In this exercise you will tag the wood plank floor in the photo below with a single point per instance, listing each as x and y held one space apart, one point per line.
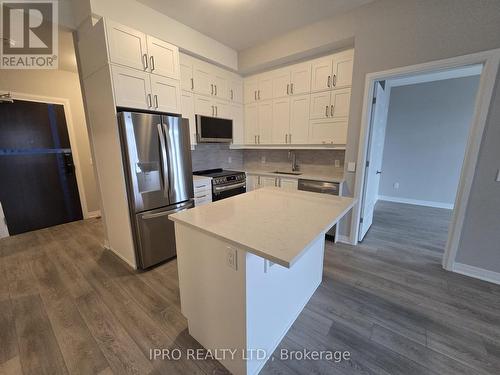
68 306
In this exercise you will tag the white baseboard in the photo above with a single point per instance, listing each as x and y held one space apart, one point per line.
93 214
416 202
106 246
476 272
344 239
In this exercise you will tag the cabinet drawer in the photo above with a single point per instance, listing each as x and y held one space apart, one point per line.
202 184
204 199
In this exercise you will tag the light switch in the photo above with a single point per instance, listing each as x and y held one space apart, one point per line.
232 258
351 166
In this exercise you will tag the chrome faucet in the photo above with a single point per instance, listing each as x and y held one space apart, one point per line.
293 156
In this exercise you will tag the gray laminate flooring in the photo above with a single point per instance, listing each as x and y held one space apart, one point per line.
69 307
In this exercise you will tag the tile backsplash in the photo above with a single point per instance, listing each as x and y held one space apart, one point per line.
310 161
208 156
213 155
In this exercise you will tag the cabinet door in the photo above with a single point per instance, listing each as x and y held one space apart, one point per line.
281 120
300 79
281 83
340 101
289 184
187 108
320 105
203 106
268 181
166 94
202 75
265 90
132 88
330 131
222 109
251 123
342 69
220 82
163 58
237 117
186 66
252 182
236 91
321 74
299 119
127 46
250 88
265 123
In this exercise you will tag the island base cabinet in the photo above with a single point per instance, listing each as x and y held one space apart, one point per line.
236 300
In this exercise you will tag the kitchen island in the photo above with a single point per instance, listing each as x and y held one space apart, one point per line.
247 267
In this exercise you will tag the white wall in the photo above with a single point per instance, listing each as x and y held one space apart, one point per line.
425 140
65 85
149 21
394 33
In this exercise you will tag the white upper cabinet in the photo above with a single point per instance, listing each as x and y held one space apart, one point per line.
127 46
186 68
340 102
236 110
166 94
202 75
163 58
299 119
132 88
329 131
332 72
220 83
321 74
330 104
281 121
251 123
250 90
320 105
235 89
265 135
281 83
259 88
300 78
203 105
342 69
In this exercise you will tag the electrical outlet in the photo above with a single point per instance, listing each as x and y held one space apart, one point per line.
396 185
337 163
232 258
229 159
351 166
263 159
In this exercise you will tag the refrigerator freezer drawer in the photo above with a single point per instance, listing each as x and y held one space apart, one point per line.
156 236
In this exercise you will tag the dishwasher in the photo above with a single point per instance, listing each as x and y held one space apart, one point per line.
332 188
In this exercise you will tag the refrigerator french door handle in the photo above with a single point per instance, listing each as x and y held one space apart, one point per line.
164 162
168 150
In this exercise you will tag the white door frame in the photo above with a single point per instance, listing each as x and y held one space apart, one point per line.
72 141
490 61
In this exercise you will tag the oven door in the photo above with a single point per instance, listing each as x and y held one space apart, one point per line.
229 190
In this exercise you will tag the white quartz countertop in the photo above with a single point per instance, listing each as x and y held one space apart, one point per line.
271 223
305 176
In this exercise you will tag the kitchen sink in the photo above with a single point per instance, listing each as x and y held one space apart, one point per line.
292 173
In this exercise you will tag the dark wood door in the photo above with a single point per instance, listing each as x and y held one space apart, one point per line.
38 185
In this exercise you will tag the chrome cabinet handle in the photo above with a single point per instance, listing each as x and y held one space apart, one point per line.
329 80
286 138
156 101
211 89
216 114
255 94
152 59
290 138
192 84
215 90
334 80
232 96
288 89
255 139
291 88
258 139
331 110
150 104
145 61
258 94
213 111
326 111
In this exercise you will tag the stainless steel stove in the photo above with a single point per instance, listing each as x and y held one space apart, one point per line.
225 183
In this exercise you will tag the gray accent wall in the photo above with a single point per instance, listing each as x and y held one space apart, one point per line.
426 137
392 33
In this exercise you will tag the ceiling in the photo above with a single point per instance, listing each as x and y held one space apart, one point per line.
240 24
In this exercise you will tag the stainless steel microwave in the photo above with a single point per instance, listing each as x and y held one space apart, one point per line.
213 129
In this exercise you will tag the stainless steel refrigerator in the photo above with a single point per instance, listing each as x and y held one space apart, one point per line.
157 162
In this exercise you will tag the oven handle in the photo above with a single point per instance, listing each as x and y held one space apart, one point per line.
218 189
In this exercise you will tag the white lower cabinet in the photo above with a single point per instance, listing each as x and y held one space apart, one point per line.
288 184
257 181
202 190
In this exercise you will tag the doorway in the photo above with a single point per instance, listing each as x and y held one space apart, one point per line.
488 62
38 179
